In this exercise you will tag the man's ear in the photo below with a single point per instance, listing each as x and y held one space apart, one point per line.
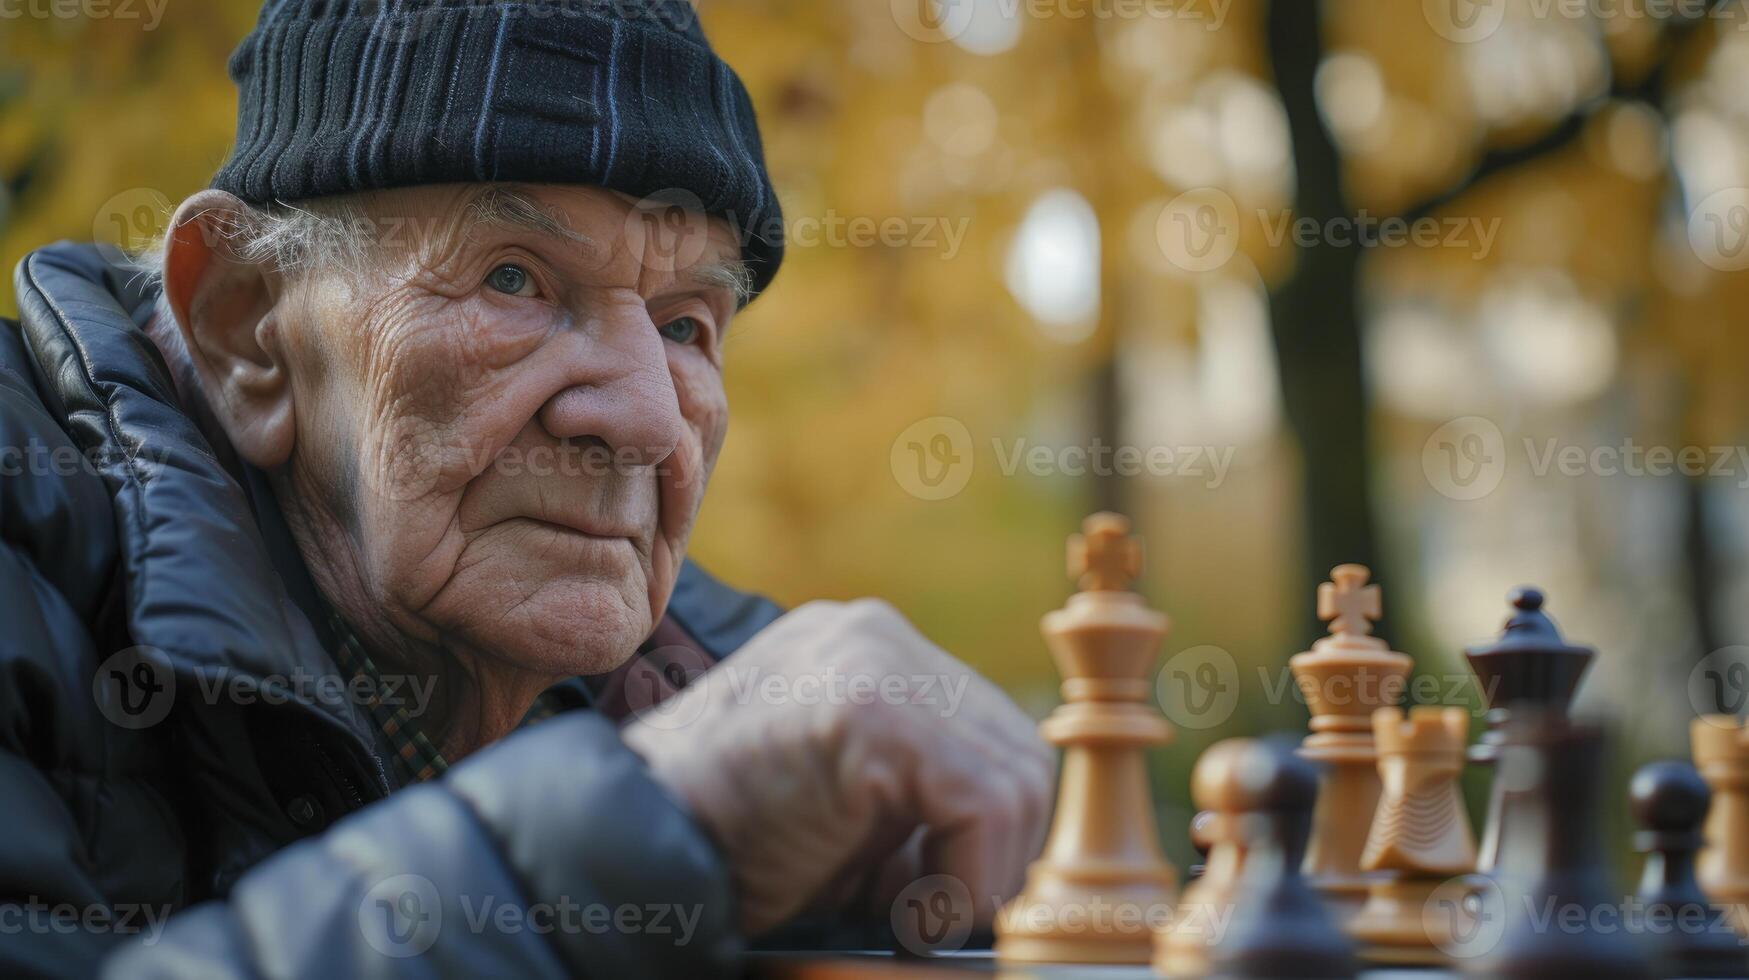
227 309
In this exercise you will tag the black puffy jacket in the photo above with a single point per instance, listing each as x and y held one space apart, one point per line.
266 823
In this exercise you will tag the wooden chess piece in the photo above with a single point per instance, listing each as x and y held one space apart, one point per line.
1345 677
1181 947
1280 927
1721 753
1101 883
1530 668
1201 824
1420 837
1562 916
1669 800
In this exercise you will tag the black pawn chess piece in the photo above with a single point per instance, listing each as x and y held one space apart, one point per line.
1686 935
1280 928
1530 668
1561 915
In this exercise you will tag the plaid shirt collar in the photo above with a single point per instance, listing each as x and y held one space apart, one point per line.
414 757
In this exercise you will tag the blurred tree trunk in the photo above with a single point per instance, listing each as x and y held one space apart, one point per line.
1316 320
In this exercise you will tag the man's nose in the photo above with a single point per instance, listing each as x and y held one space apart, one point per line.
622 394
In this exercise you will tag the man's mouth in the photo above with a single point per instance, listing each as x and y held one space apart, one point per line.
587 529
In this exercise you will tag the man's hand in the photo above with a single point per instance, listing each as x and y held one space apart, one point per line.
834 737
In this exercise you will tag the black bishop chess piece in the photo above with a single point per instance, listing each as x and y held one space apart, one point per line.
1530 668
1686 935
1561 916
1280 927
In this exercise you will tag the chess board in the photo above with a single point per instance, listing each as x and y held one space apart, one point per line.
965 965
1347 850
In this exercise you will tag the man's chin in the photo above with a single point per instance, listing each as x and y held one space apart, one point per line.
571 626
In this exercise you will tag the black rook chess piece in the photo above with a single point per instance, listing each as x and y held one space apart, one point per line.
1561 916
1530 668
1280 927
1687 936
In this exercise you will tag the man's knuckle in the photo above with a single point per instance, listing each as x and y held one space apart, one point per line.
870 611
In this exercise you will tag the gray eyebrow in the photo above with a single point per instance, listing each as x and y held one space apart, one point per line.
507 208
734 275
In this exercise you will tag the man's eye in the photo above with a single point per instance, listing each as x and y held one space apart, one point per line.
682 331
512 280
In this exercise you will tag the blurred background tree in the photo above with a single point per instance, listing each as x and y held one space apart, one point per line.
1096 210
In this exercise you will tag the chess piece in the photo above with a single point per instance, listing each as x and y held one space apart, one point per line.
1530 668
1721 753
1181 947
1200 826
1344 677
1280 927
1669 800
1101 882
1562 916
1420 837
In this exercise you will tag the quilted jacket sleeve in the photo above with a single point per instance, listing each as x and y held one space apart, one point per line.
552 853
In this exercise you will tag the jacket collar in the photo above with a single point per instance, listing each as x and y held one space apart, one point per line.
186 523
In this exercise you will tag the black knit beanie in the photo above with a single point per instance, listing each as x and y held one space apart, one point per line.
336 96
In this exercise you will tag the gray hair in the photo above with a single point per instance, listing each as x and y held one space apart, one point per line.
341 234
294 239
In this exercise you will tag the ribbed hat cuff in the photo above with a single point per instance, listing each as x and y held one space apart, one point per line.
335 103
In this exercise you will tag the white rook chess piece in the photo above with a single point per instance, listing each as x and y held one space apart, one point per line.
1101 884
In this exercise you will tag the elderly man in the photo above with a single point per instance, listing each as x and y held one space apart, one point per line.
337 554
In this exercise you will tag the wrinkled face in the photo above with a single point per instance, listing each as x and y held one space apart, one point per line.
512 420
